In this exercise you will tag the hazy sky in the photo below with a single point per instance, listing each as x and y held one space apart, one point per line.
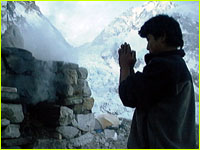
82 21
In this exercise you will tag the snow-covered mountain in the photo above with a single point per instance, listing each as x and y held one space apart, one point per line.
101 58
40 36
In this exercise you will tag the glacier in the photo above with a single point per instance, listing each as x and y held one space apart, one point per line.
100 56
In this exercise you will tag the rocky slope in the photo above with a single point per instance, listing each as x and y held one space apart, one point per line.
40 36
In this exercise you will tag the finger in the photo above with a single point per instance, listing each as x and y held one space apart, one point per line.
128 48
123 49
122 46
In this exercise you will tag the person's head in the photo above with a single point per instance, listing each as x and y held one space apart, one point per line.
163 33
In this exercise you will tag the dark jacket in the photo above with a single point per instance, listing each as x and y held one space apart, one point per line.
163 96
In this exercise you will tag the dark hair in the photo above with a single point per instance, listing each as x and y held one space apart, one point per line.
161 25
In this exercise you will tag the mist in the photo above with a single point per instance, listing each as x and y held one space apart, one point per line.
40 37
45 44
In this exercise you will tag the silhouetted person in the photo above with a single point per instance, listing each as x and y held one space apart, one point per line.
162 93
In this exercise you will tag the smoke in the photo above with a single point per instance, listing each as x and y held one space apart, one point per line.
46 43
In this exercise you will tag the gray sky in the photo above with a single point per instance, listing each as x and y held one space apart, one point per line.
81 21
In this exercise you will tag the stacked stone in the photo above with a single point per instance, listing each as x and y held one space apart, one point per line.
11 117
75 122
58 95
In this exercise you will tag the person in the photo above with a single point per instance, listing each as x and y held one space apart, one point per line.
162 94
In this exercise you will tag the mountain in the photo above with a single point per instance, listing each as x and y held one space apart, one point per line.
40 36
101 57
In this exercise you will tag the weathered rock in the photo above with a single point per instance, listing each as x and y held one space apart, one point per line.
82 88
13 51
86 122
63 89
88 103
98 125
110 134
82 73
70 91
18 141
71 76
72 101
75 123
9 94
49 144
15 58
78 109
85 107
10 97
12 37
11 131
82 140
5 122
12 112
66 115
68 132
8 89
86 90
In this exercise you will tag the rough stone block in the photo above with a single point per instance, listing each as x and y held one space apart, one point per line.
62 89
70 76
88 103
66 115
8 89
82 73
78 109
11 131
12 112
5 122
68 132
82 88
82 140
70 91
86 90
86 122
10 97
110 134
73 100
18 63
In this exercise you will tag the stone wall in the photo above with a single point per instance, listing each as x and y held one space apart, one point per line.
44 104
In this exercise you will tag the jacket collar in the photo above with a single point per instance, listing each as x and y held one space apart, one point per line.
150 56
